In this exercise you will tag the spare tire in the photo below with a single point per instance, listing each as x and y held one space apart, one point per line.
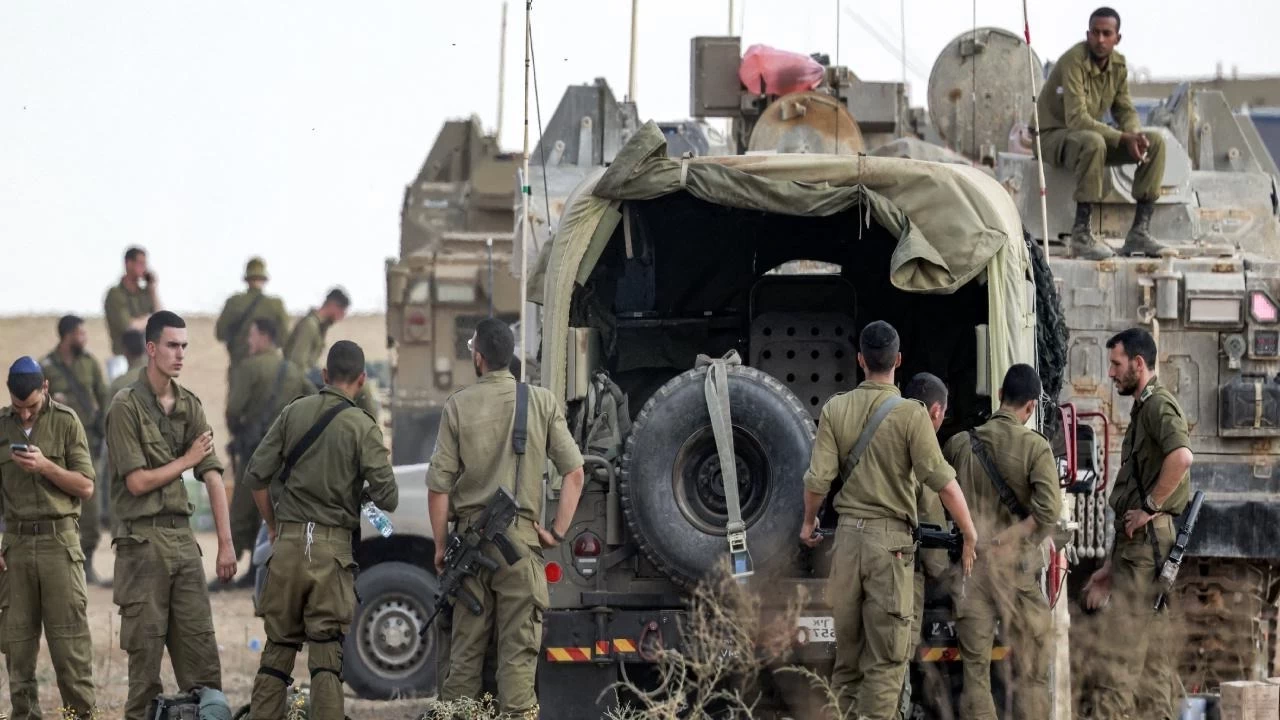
672 490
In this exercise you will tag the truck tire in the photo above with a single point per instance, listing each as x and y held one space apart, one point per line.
383 657
670 482
1051 333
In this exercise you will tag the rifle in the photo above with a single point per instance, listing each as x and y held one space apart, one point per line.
934 537
1168 572
465 556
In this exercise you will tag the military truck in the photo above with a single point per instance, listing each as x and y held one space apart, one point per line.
658 261
1212 308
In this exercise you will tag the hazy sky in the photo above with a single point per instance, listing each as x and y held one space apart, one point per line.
210 131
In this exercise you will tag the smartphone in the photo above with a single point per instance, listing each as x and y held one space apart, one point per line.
20 447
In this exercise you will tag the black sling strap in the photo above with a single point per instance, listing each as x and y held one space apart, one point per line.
234 331
78 389
520 433
276 386
313 434
1002 488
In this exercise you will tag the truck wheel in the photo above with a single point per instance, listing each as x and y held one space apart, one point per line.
383 657
672 492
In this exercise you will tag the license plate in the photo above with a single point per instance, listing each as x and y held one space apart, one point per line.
816 629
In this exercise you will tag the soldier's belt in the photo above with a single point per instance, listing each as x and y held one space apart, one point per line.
160 521
874 524
44 527
292 529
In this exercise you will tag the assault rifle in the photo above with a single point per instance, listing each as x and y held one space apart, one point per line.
933 537
1173 564
465 556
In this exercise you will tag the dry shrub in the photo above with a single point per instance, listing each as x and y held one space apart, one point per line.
729 638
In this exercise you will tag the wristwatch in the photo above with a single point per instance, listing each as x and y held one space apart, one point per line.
552 528
1149 504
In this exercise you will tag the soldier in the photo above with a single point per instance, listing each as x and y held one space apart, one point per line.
311 511
135 352
232 328
1151 488
260 388
931 392
1009 474
75 379
45 473
472 460
1087 81
156 431
130 303
870 584
306 343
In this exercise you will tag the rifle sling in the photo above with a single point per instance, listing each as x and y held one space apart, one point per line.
860 446
78 389
1007 497
309 439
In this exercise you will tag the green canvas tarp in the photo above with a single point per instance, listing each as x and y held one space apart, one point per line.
953 223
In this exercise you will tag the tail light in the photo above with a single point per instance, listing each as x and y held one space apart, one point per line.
554 572
586 554
1261 307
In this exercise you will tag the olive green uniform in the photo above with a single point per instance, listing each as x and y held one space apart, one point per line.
44 583
305 347
472 459
261 386
1072 135
871 590
309 594
1136 677
240 310
159 575
81 387
1004 588
930 565
120 307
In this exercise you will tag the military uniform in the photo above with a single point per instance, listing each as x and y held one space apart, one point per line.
261 386
81 387
309 594
1074 99
930 565
871 589
121 306
1135 660
305 347
240 310
1004 587
472 459
44 583
159 575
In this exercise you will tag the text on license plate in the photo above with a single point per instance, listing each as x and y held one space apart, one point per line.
816 629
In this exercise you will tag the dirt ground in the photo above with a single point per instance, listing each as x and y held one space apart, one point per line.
205 374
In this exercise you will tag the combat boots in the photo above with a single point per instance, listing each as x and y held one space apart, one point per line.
1138 241
1084 244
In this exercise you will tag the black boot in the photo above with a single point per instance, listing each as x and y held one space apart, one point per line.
1083 243
1139 241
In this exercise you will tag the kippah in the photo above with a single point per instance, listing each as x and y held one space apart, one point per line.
878 334
25 365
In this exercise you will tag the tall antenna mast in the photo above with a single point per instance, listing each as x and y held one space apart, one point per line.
635 39
502 71
525 233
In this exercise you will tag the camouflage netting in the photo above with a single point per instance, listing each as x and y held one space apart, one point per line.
954 224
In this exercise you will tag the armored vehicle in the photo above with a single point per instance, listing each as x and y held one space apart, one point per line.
657 261
454 270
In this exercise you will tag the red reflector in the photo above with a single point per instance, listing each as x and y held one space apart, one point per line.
587 545
417 319
554 572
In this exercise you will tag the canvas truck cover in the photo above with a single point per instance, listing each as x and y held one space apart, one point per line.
953 223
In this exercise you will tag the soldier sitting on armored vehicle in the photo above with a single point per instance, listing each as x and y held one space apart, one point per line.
1088 80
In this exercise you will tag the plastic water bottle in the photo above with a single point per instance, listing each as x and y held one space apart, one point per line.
377 519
